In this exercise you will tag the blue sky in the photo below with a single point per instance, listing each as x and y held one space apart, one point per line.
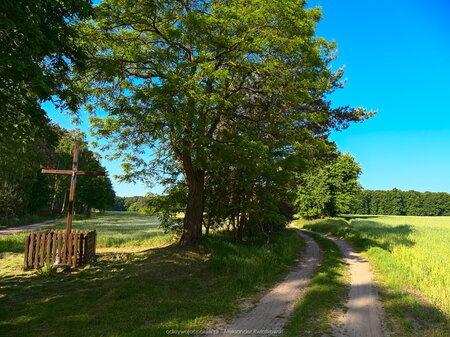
397 60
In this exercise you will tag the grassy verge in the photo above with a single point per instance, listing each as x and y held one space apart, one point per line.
388 246
145 292
325 296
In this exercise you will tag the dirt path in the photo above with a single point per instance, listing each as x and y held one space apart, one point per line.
14 230
271 313
364 316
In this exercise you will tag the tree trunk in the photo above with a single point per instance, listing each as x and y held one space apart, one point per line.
193 218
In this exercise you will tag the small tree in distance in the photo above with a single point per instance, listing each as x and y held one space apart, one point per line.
329 190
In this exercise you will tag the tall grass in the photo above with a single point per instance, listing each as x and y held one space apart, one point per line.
145 293
410 254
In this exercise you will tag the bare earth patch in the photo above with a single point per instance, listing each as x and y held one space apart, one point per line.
18 229
272 312
364 315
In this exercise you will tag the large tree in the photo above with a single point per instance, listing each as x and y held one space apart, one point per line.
192 81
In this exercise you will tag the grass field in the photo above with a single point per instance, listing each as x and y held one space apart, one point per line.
140 285
411 258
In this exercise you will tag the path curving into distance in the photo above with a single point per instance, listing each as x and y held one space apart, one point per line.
19 229
272 312
364 315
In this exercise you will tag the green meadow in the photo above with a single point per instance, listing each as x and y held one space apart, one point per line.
140 284
411 259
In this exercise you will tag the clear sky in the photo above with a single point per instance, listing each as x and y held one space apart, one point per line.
397 59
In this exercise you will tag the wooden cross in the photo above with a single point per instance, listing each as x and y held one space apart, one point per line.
74 173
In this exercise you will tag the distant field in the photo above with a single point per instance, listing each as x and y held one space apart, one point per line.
120 229
114 230
408 252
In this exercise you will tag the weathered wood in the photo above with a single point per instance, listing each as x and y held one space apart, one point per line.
36 251
69 249
60 250
27 248
42 249
31 251
54 247
76 250
86 248
94 244
70 172
48 243
81 248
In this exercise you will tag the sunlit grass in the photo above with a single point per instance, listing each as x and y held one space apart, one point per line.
139 286
323 301
411 257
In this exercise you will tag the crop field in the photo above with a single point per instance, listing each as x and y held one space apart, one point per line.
409 253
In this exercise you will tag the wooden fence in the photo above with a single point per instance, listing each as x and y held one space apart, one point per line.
43 247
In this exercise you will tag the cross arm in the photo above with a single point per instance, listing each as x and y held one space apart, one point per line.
70 172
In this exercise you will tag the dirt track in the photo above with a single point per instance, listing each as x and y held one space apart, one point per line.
271 313
14 230
364 315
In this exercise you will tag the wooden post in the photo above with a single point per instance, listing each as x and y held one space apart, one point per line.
68 250
73 183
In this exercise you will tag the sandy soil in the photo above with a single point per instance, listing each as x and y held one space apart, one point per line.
271 313
364 313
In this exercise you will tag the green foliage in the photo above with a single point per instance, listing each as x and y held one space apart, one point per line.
24 190
46 271
211 89
37 47
329 189
119 204
396 202
316 313
252 261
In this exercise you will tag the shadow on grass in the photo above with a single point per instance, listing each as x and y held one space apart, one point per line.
142 294
406 314
353 216
325 295
368 233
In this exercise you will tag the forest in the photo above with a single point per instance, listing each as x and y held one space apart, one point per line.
396 202
25 191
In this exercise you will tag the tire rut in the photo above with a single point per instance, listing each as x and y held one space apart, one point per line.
272 312
364 315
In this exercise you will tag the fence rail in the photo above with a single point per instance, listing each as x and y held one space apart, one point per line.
52 247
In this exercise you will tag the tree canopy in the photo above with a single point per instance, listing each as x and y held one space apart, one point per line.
37 49
24 190
213 89
330 189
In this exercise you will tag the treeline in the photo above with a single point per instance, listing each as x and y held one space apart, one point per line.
396 202
132 204
25 191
